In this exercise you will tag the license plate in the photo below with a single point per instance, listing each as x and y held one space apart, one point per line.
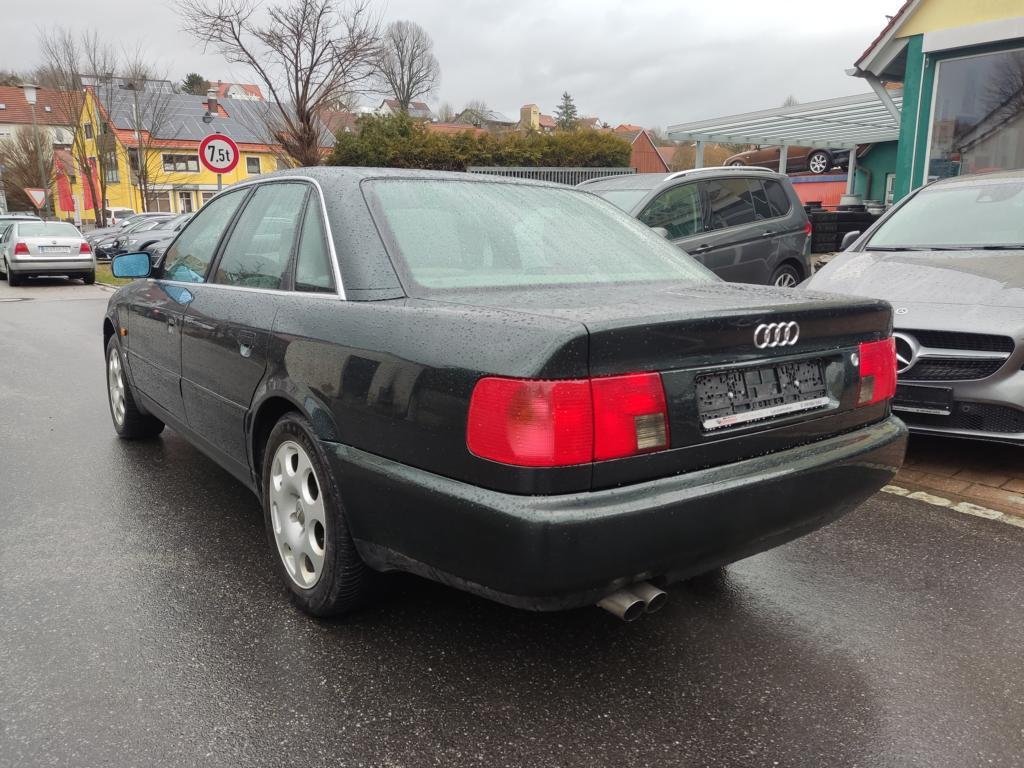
55 249
746 395
937 401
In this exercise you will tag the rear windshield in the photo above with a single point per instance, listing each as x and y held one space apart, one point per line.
463 234
975 215
48 229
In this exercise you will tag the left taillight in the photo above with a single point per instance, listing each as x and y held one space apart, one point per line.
877 371
536 423
84 248
20 249
808 228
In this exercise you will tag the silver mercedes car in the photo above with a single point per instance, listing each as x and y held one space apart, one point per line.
950 259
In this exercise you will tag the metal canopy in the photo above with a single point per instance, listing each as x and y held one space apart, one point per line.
841 123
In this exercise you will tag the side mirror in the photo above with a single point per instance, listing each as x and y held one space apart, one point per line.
849 239
131 265
660 231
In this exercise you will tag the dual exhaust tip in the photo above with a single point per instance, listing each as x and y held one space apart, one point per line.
631 603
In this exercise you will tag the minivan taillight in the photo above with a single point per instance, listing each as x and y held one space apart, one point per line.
20 249
877 371
84 248
808 228
537 423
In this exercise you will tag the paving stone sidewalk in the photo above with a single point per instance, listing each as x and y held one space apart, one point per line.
988 474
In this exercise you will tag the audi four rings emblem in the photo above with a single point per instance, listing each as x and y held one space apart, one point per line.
776 335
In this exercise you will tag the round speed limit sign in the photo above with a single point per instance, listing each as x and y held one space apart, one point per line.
218 153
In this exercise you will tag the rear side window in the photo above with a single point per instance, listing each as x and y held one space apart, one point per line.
677 210
190 255
260 246
313 272
777 197
729 203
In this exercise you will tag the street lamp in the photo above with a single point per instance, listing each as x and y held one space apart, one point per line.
31 93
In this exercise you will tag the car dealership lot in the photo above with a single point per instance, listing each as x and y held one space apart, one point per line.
143 623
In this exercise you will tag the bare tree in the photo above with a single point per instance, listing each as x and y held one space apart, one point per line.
21 156
309 54
790 101
445 112
475 112
406 65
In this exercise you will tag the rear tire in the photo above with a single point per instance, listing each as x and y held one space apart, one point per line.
129 422
13 278
89 278
785 276
735 163
819 161
306 523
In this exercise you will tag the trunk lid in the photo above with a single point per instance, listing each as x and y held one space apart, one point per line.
729 395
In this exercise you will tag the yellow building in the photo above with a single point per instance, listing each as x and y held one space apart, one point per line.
120 125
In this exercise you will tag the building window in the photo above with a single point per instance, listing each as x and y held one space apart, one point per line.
183 163
205 197
185 202
252 165
110 170
978 115
159 201
133 160
88 130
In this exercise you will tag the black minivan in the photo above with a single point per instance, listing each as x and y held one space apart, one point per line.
745 224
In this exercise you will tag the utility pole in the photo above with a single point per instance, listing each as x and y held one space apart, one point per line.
31 94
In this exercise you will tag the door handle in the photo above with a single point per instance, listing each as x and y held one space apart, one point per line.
702 248
768 233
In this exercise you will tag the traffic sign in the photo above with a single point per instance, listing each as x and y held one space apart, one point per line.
218 153
36 196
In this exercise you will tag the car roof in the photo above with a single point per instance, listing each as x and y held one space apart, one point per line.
326 175
655 180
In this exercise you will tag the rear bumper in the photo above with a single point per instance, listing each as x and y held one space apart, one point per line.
553 552
52 266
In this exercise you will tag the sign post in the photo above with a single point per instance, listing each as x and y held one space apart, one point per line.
218 154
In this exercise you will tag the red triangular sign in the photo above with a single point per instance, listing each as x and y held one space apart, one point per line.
37 196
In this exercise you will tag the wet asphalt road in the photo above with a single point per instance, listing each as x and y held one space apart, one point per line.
142 624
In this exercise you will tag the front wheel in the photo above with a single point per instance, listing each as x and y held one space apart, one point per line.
786 276
735 163
819 161
307 525
129 422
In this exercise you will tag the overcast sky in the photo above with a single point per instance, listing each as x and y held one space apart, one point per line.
650 62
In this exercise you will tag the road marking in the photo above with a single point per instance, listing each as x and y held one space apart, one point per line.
964 507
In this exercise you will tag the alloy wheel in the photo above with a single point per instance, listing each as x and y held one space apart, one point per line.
818 163
115 387
785 280
298 514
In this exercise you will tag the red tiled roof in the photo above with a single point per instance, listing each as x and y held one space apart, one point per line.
250 88
885 30
628 128
668 154
588 122
338 120
547 121
17 111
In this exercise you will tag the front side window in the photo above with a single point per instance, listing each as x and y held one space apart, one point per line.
252 165
978 117
313 272
729 203
190 255
957 216
677 210
258 251
444 235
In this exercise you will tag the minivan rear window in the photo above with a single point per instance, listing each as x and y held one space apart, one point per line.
461 234
48 229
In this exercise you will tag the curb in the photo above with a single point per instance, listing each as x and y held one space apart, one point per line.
964 507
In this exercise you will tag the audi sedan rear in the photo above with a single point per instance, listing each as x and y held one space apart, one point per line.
950 258
513 388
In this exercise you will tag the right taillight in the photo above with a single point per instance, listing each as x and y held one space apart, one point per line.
537 423
20 249
877 371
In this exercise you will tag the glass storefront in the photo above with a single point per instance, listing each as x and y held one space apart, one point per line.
978 115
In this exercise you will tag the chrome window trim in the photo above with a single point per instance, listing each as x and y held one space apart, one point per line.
340 290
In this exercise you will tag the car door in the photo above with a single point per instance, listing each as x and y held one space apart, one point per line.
733 244
228 323
157 306
766 157
678 211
